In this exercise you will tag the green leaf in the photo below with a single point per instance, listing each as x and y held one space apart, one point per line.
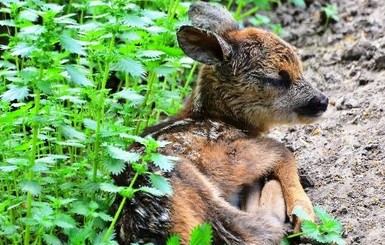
201 235
173 240
298 3
22 49
72 45
285 241
166 163
130 66
161 183
109 187
114 166
300 213
80 208
130 95
8 169
151 190
51 239
120 154
152 54
15 93
77 76
72 133
65 221
32 187
90 124
105 217
331 12
310 229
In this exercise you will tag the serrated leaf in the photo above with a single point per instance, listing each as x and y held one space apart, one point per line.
300 213
109 187
65 221
151 190
10 23
80 208
8 169
51 158
130 95
151 14
72 45
77 76
173 240
120 154
310 229
114 166
201 235
105 216
152 54
298 3
164 70
72 133
32 187
161 183
166 163
22 49
15 93
90 124
130 66
51 239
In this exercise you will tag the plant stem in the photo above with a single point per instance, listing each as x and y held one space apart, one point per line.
249 12
120 208
35 131
295 235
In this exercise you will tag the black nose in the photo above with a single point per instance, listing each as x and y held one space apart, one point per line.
314 107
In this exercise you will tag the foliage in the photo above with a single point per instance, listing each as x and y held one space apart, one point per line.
328 231
200 235
331 13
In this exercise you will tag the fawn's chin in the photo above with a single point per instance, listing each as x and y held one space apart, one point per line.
307 119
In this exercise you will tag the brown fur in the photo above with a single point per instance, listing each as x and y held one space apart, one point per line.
228 174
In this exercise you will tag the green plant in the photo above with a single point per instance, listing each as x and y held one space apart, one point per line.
328 231
331 13
200 235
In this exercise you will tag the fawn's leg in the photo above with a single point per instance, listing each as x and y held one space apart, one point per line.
286 173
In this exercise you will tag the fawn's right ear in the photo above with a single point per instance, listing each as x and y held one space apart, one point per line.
203 46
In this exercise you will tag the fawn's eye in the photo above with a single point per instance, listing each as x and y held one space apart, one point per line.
281 81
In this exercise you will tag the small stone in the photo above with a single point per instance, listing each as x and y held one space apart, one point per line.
340 103
379 62
352 103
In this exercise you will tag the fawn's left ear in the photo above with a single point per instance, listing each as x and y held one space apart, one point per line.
203 46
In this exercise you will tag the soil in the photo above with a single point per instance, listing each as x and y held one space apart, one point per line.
342 156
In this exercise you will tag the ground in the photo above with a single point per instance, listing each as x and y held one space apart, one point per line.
342 156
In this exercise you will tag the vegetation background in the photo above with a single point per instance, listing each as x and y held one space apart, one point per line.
79 81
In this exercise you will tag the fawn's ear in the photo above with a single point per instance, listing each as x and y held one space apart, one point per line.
211 18
203 46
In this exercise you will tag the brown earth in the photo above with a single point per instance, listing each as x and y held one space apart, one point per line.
343 154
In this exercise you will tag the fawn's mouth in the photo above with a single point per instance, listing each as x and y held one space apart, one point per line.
314 108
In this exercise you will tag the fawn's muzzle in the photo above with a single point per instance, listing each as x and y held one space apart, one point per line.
315 107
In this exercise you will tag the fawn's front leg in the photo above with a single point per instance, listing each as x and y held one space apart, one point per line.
287 174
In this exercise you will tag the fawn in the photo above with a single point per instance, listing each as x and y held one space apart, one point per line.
228 174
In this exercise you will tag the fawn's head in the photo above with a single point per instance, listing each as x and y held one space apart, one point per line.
251 78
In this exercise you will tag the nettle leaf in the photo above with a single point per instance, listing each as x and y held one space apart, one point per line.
29 14
109 187
166 163
152 54
201 235
22 49
120 154
310 229
10 23
136 21
130 66
8 169
65 221
151 190
78 77
51 158
164 70
130 95
173 240
90 124
298 3
32 187
72 45
151 14
15 93
51 239
300 213
72 133
105 217
161 183
80 208
114 166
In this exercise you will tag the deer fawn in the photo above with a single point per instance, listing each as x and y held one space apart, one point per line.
228 175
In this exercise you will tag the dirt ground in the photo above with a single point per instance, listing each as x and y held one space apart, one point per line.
342 156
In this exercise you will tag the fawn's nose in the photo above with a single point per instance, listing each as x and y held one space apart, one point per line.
314 107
